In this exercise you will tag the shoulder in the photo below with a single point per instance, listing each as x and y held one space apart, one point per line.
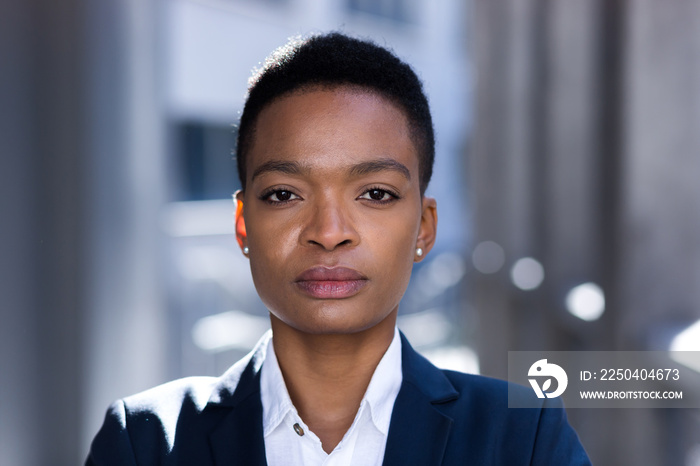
170 396
495 392
541 432
142 428
483 427
163 405
487 398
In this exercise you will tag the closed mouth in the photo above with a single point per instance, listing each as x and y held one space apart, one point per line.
331 282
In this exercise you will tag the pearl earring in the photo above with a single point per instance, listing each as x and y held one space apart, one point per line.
246 250
419 252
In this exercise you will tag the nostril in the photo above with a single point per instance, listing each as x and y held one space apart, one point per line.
330 245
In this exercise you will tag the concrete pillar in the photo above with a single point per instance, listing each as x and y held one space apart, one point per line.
81 183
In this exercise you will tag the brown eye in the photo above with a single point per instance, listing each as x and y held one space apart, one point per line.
379 195
279 196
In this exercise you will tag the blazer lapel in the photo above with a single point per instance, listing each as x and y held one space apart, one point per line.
418 431
238 437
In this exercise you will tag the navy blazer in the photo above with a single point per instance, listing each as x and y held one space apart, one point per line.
440 418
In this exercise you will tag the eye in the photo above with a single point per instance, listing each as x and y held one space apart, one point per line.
379 195
279 196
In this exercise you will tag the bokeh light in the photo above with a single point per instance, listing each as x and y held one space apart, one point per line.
527 273
488 257
586 301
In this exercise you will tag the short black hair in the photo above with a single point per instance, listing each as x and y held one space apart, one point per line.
335 59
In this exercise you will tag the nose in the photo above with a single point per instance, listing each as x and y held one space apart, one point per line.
330 226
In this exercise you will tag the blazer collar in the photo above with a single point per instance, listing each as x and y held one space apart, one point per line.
419 430
422 374
238 437
239 381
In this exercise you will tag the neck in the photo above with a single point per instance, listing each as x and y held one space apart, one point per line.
327 375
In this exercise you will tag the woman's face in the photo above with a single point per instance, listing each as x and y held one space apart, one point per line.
332 213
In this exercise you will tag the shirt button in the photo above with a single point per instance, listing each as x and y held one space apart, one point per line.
298 429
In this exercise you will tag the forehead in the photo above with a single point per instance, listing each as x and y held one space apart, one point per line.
331 127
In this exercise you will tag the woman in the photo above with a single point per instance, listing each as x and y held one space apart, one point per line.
335 152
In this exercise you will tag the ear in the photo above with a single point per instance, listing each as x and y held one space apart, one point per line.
241 236
428 227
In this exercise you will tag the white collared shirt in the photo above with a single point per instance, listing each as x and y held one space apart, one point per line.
363 444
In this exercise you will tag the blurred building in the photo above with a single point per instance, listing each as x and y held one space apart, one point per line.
585 158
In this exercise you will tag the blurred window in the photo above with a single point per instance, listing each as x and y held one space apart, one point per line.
397 10
207 163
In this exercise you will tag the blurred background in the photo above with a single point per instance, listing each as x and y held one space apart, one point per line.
567 179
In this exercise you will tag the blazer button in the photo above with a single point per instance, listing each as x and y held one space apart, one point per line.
298 429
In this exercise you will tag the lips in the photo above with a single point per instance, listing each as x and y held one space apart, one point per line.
331 282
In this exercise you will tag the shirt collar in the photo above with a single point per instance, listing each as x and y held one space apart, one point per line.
273 392
385 384
380 395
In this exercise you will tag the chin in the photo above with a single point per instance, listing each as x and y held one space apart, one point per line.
331 321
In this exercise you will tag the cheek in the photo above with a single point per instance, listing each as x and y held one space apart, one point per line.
270 237
397 233
393 249
397 249
271 244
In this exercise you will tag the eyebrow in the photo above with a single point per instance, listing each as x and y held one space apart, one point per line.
374 166
289 168
362 168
